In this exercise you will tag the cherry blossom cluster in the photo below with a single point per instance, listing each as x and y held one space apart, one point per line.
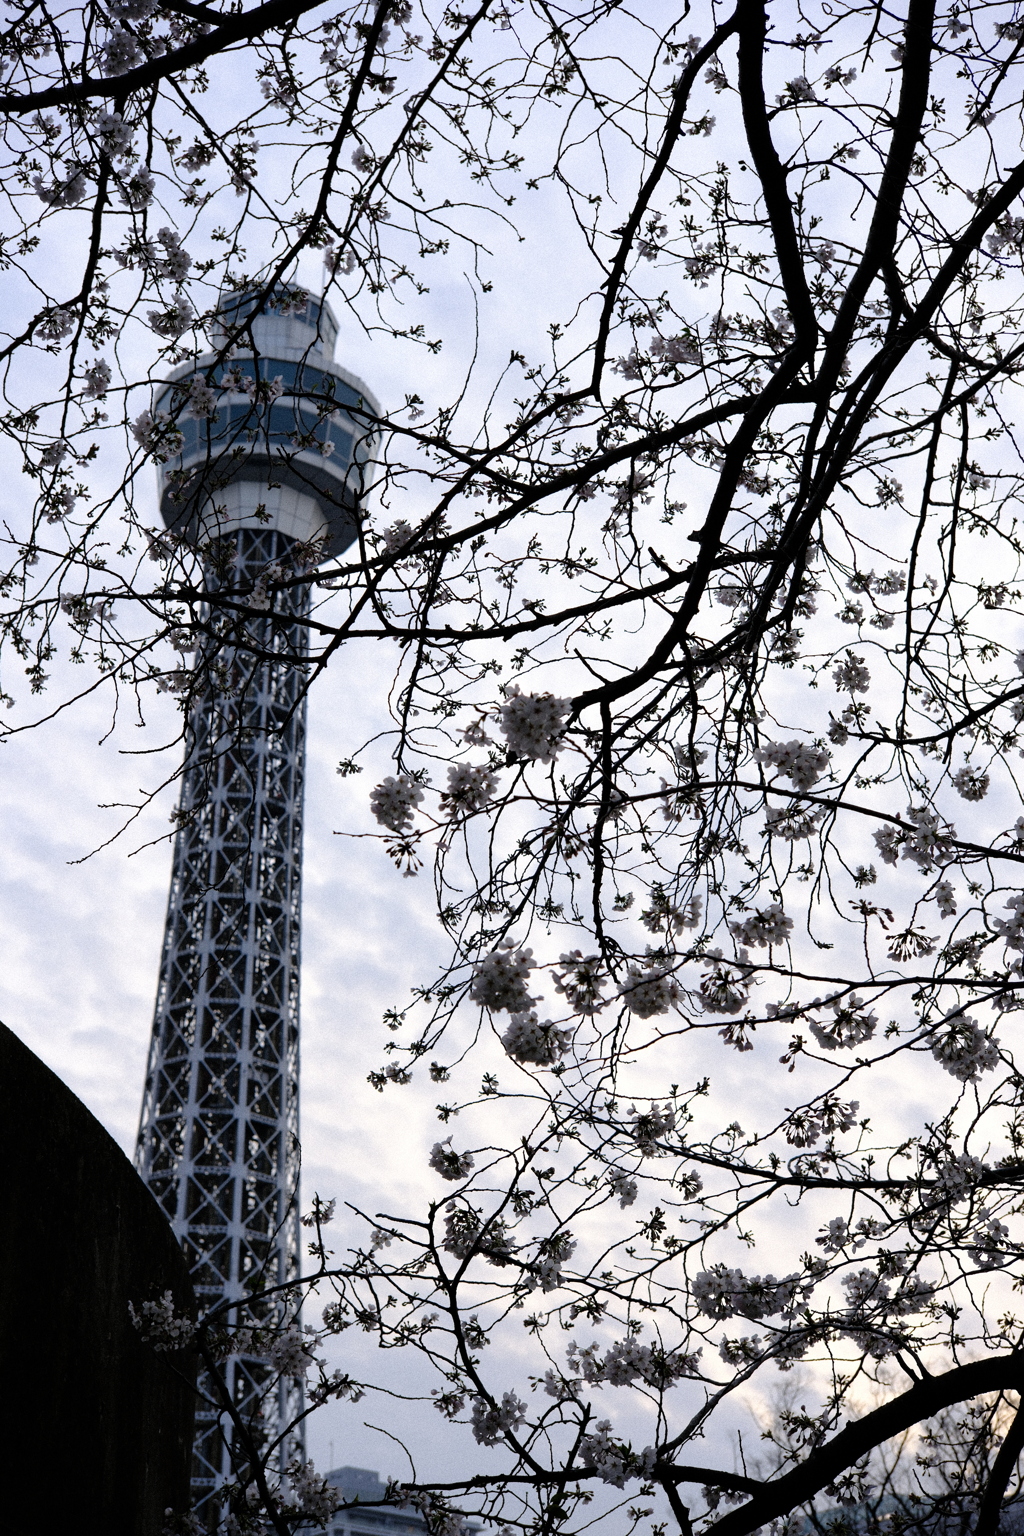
265 391
117 137
623 1187
121 52
795 760
850 1024
97 379
837 1234
290 1351
532 724
397 536
556 1386
461 1229
493 1421
83 611
1007 231
501 979
964 1049
581 981
797 90
309 1492
160 1324
650 990
469 788
475 735
1010 999
746 1350
971 783
852 717
200 399
684 348
440 1519
611 1459
889 585
927 841
160 546
322 1213
651 1126
136 187
174 320
762 929
958 1176
336 1385
552 1253
157 436
451 1165
992 1247
794 823
628 1361
394 802
851 675
534 1044
66 192
866 1289
721 1292
178 682
723 988
165 257
1011 929
60 503
465 1235
825 1118
665 914
261 599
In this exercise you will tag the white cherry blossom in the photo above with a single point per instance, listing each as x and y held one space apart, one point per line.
532 724
964 1049
394 802
501 979
451 1165
534 1044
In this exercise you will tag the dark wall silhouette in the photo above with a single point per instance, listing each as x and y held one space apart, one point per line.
95 1426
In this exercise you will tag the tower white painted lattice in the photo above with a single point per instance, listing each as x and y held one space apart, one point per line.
271 466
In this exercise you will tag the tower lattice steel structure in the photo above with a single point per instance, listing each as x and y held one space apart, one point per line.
266 485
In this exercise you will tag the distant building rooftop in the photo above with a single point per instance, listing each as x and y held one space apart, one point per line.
366 1486
360 1483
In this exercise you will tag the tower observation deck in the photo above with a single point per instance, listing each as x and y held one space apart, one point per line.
274 448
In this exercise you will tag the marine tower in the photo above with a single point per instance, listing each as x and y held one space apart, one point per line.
273 451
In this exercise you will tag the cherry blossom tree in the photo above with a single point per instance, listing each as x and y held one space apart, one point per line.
708 694
934 1478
